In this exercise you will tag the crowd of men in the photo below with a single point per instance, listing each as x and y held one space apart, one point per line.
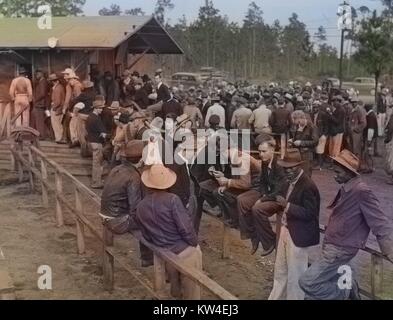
292 131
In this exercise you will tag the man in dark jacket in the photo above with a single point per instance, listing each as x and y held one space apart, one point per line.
96 135
299 229
336 123
40 104
355 211
122 193
258 204
321 122
280 121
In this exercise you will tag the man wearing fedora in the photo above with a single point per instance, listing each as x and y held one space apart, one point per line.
299 229
355 211
123 191
165 223
57 95
21 92
96 135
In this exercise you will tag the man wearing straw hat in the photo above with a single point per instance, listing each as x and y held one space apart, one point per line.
96 135
355 211
165 223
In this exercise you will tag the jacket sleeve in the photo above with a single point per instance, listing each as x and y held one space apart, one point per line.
313 139
183 222
134 195
377 220
309 209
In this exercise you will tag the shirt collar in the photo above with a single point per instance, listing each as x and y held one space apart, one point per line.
351 184
297 178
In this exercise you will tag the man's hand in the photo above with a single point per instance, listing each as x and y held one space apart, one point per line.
221 190
297 143
281 201
223 182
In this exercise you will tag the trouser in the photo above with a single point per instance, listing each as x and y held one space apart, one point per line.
245 202
381 118
57 126
356 141
307 157
322 280
98 159
291 263
281 140
38 121
335 144
22 103
74 129
228 204
181 286
263 231
205 192
155 108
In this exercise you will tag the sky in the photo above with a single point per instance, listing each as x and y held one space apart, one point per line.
313 13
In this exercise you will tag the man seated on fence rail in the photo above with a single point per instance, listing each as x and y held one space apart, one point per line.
164 222
122 193
257 205
356 210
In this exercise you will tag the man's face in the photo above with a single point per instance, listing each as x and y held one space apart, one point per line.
38 75
341 175
292 173
157 79
99 111
266 152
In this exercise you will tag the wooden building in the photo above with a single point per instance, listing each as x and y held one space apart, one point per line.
86 44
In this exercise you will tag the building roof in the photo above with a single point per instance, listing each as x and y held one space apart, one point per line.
103 32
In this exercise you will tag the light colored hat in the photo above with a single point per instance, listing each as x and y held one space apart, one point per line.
159 177
53 77
69 74
87 84
115 105
348 160
288 96
79 106
182 119
308 84
137 115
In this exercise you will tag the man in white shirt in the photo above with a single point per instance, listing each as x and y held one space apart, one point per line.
260 118
216 109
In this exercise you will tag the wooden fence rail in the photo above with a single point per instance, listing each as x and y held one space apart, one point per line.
161 257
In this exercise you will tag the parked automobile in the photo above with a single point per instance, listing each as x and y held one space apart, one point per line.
365 86
186 79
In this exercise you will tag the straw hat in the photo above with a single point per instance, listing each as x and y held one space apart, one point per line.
159 177
69 74
348 160
291 159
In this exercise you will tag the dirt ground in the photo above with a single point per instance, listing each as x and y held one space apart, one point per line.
29 238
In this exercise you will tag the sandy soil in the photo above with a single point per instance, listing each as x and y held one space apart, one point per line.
29 238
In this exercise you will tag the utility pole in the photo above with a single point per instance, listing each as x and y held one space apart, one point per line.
344 14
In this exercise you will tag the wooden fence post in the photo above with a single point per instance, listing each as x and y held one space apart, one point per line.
159 274
376 275
44 190
108 260
19 151
226 241
59 191
80 230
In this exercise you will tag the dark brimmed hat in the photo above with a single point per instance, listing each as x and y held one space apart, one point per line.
133 149
291 159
